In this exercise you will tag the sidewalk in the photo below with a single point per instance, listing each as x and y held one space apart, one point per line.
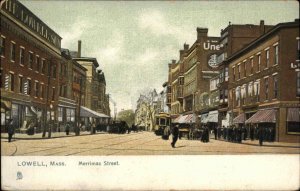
267 144
24 136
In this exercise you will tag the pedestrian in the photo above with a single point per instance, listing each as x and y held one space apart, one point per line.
93 127
252 133
175 133
11 129
67 128
215 133
261 135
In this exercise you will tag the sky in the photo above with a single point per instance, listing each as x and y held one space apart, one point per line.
134 41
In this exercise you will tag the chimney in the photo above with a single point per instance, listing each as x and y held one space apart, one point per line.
181 53
79 49
201 32
173 61
185 46
262 27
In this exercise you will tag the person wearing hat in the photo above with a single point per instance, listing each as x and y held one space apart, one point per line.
175 134
11 130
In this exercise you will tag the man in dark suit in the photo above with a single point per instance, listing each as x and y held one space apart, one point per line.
11 129
175 133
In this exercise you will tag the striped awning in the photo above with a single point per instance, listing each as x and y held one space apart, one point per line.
213 117
293 115
190 118
239 119
263 116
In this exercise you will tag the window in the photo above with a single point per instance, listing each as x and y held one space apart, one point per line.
257 90
298 51
298 84
29 87
9 82
276 55
233 72
43 66
239 71
13 51
42 91
21 87
251 61
54 71
181 80
53 94
22 55
258 63
2 46
267 58
226 73
30 60
37 61
1 84
36 89
267 88
275 81
245 68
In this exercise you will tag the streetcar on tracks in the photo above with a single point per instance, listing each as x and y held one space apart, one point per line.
162 120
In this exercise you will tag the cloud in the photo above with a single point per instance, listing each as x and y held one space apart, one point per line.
72 34
157 24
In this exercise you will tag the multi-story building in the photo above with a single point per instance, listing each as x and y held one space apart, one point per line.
96 98
73 90
233 38
162 100
264 82
30 67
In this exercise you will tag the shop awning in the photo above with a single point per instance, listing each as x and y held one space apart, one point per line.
203 117
239 119
293 115
263 116
190 118
86 112
212 117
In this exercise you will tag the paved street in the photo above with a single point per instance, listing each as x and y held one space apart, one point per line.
142 143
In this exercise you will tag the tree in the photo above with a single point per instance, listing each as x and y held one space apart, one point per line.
127 116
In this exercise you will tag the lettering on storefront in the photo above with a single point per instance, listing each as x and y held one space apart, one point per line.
22 14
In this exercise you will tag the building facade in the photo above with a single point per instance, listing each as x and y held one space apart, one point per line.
30 63
264 83
233 38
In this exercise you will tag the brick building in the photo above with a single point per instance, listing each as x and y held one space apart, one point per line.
30 67
233 38
264 82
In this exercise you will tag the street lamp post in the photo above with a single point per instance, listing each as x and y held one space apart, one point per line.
51 121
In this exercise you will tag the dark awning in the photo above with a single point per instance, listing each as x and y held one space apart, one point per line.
263 116
293 115
239 119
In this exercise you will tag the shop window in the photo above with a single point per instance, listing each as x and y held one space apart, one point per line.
12 51
22 55
293 127
2 46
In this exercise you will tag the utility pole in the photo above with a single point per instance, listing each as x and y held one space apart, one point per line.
46 125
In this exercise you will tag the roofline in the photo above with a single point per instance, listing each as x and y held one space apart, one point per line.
94 60
275 29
